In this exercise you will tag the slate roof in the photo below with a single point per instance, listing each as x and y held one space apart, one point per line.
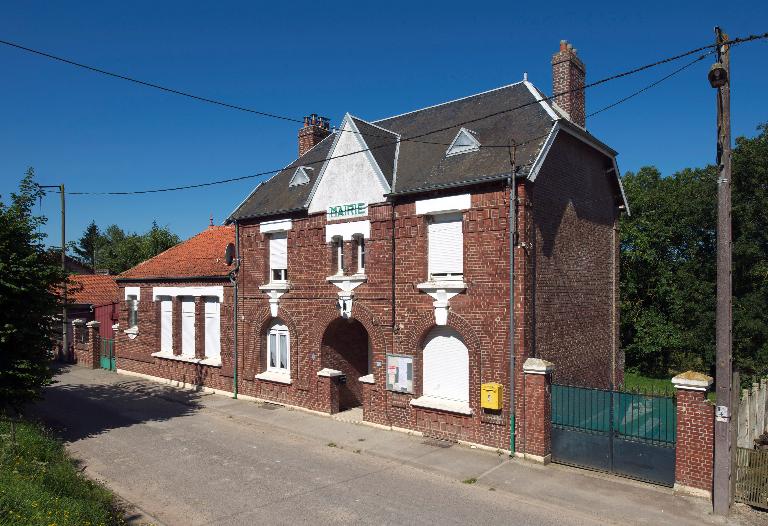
199 256
420 164
92 289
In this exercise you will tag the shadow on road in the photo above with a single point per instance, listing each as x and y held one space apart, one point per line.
77 409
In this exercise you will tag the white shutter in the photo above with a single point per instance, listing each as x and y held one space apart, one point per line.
446 366
212 329
166 326
278 251
188 327
446 245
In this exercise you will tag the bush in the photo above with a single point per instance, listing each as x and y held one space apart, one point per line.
41 485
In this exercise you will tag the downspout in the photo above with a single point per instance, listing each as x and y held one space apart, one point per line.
512 236
233 279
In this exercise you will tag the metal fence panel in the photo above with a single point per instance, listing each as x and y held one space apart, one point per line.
752 477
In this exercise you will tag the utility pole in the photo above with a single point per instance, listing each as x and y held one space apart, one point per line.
64 342
720 78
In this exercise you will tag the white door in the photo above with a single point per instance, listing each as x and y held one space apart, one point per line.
166 325
188 327
446 366
212 329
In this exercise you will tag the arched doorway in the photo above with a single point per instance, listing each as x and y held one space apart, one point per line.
346 347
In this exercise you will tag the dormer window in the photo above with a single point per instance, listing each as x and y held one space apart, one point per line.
465 141
300 176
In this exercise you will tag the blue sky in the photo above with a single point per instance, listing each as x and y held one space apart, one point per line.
96 133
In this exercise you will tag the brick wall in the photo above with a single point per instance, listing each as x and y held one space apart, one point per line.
569 74
575 252
694 463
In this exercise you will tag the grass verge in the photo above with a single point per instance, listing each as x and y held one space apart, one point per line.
41 485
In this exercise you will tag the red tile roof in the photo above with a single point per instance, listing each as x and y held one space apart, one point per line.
199 256
94 289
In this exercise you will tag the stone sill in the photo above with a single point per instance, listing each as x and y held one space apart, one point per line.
272 376
329 373
281 285
448 285
439 404
179 358
367 379
352 278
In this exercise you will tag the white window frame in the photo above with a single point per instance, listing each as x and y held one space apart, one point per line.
133 310
277 333
360 249
446 276
278 274
166 324
212 328
338 247
188 351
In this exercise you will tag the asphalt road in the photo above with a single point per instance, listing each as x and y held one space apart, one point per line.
192 459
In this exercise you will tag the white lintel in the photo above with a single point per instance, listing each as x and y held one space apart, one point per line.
278 225
442 205
133 291
347 230
210 291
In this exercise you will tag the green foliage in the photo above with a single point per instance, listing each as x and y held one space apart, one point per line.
40 484
29 280
118 251
668 266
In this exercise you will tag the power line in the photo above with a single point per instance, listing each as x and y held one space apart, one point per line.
238 107
272 172
413 138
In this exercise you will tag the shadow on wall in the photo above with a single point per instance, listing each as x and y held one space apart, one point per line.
81 410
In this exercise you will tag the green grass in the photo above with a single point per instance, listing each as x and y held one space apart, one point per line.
637 382
41 485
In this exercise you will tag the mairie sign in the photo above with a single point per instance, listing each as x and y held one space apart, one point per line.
347 210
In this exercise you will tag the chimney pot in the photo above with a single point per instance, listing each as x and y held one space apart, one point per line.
315 130
568 79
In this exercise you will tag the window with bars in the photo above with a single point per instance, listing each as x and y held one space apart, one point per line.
278 349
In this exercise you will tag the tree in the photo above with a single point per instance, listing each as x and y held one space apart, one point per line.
668 266
120 251
29 303
89 245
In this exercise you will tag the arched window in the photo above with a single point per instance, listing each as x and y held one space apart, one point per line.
278 349
445 373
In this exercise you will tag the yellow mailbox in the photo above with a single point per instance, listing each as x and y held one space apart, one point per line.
490 395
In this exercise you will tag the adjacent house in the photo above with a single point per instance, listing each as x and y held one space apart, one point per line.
176 314
379 269
90 297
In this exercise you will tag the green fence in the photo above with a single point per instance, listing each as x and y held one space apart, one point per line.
641 416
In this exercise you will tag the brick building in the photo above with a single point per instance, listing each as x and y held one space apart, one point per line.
176 314
377 269
90 297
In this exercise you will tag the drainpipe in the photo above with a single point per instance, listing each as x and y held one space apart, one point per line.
233 280
512 236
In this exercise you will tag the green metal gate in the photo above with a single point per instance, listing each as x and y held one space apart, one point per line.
107 356
628 434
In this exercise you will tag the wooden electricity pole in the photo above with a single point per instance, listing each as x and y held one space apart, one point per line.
64 342
720 78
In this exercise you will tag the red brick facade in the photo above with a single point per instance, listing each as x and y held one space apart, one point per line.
694 465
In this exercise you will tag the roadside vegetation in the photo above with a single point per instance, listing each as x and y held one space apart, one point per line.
41 485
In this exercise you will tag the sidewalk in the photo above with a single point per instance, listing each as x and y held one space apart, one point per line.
589 496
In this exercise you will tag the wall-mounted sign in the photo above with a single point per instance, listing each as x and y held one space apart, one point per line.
400 373
347 210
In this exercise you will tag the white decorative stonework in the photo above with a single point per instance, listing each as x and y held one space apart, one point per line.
132 332
330 373
275 291
93 323
347 231
78 321
279 225
692 381
347 284
538 366
442 292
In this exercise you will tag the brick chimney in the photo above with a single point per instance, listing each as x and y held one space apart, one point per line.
315 130
568 73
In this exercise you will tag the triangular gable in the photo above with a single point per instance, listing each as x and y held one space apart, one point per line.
465 141
300 176
351 174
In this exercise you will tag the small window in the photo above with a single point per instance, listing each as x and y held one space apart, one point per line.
446 247
188 326
465 141
133 311
360 247
278 257
278 349
301 176
166 325
337 246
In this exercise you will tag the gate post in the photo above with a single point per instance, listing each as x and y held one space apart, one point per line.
94 348
537 419
694 449
328 390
